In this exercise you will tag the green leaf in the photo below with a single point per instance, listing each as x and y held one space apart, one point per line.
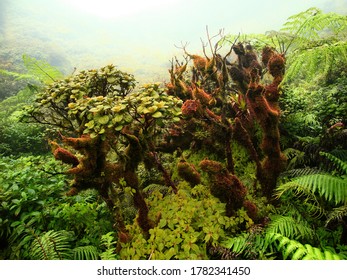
102 131
103 120
157 114
93 135
16 213
111 80
170 253
162 223
117 118
90 124
119 127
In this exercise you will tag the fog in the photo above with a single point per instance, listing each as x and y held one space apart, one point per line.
137 36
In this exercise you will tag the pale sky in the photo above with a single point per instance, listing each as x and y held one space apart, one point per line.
127 31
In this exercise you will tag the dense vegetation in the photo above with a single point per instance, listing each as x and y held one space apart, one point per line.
242 154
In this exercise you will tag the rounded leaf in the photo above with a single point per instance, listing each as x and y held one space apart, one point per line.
103 120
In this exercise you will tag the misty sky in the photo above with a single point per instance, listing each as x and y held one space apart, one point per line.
91 32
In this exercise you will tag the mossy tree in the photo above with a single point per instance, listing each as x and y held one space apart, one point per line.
230 102
104 130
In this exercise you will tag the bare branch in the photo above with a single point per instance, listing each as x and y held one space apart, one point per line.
204 45
220 33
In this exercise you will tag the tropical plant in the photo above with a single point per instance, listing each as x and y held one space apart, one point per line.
35 214
182 232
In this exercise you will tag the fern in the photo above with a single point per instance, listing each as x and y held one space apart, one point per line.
300 172
51 245
290 227
332 188
339 164
89 252
316 62
294 250
271 243
17 76
337 214
314 43
41 70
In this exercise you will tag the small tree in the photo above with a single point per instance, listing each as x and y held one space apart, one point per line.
106 130
226 101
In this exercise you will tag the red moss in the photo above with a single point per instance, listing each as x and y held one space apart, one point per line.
211 166
65 156
142 219
190 107
227 187
267 53
239 49
201 95
243 137
188 172
123 237
199 62
276 65
78 143
72 192
251 208
213 116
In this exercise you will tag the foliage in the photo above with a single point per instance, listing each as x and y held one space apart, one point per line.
41 70
314 43
272 245
15 137
301 226
181 231
35 214
109 244
51 245
137 162
317 42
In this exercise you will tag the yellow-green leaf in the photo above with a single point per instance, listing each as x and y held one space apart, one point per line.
103 120
157 114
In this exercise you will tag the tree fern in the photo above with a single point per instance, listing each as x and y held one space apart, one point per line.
51 245
318 43
313 24
41 70
317 61
15 75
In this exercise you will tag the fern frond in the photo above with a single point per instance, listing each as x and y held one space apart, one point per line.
337 214
290 227
312 24
340 165
237 244
89 252
294 250
41 70
340 154
300 172
295 157
17 76
51 245
317 61
332 188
